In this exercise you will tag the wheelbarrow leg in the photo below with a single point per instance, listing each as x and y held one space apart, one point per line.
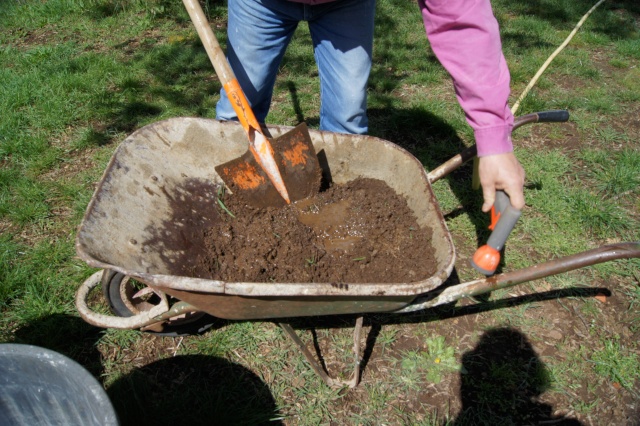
356 353
315 365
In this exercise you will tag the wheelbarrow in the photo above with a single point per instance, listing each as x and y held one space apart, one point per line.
143 225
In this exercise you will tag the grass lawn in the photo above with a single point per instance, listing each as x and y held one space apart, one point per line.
78 76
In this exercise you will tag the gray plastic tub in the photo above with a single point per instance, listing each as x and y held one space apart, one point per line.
42 387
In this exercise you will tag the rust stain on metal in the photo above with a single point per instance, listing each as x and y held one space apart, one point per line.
233 307
298 154
167 194
245 176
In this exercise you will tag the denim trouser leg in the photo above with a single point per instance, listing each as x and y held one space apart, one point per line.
259 32
343 41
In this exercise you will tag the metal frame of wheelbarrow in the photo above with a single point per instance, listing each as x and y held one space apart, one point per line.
188 290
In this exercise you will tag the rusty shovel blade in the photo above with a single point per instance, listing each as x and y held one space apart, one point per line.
296 160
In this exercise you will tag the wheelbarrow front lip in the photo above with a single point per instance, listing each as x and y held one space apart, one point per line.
133 166
248 289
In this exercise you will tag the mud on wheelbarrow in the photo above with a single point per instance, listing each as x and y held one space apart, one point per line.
141 229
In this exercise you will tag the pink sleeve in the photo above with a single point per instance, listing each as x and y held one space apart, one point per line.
465 37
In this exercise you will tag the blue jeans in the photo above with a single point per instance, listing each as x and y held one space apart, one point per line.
259 32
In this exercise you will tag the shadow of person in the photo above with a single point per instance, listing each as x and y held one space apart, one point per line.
193 390
502 381
66 334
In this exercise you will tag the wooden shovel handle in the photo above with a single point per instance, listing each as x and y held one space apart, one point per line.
223 70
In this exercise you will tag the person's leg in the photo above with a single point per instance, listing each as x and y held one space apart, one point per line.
259 33
342 33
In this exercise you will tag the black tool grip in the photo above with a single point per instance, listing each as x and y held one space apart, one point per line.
555 116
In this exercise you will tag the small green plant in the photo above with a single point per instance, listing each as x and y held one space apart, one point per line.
610 135
221 192
439 359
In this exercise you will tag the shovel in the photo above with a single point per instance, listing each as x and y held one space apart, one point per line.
273 172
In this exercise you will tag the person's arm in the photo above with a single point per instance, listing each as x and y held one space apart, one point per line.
465 37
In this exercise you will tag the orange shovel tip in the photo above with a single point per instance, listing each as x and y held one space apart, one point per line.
263 152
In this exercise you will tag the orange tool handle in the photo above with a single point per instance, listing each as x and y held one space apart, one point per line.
242 108
223 69
503 219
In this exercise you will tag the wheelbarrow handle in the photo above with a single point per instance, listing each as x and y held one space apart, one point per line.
595 256
553 116
503 215
109 321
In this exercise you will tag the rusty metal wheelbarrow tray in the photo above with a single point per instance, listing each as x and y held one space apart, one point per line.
156 194
146 217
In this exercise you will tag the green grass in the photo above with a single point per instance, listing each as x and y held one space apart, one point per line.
78 76
617 363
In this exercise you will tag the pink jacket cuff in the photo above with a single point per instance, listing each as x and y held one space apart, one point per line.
493 140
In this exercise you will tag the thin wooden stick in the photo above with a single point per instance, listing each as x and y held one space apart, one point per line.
534 80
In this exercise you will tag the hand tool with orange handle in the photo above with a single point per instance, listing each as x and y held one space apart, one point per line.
503 218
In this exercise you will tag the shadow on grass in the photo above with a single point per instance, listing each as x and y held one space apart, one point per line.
185 81
194 390
612 19
68 335
501 381
439 313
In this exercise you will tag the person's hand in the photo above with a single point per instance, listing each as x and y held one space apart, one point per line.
501 171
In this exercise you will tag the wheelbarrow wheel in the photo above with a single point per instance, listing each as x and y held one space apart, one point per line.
128 297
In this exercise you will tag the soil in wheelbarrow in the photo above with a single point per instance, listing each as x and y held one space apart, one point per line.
361 231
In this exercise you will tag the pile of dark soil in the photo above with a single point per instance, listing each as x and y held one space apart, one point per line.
361 231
